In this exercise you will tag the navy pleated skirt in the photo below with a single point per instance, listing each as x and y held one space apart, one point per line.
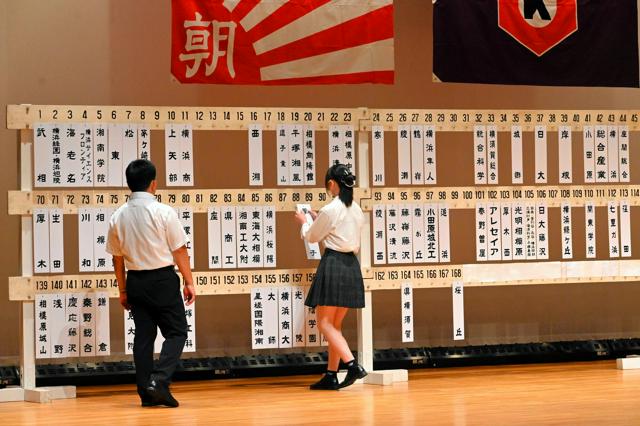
338 282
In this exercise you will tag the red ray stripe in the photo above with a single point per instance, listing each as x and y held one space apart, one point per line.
242 9
383 77
374 26
288 13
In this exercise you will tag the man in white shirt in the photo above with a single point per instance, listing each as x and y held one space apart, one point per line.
146 238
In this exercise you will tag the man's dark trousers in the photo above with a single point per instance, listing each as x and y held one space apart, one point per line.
155 301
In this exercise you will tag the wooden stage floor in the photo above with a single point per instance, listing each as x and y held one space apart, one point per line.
593 393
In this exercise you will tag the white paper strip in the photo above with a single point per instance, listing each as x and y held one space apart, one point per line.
172 154
614 229
336 145
57 177
612 155
190 314
100 155
531 231
541 154
43 336
101 259
144 142
284 318
430 170
542 231
404 155
518 222
228 230
565 164
214 237
283 149
85 239
43 154
457 292
70 155
309 143
431 233
480 154
57 321
269 236
393 234
590 229
115 155
41 246
625 228
481 232
256 245
311 328
379 235
349 138
588 138
492 155
494 239
264 318
565 226
129 332
312 249
516 155
185 214
419 241
296 155
88 325
86 155
407 312
242 235
297 317
102 330
601 154
623 153
417 155
377 156
129 148
404 225
56 241
256 177
186 177
72 324
444 239
506 231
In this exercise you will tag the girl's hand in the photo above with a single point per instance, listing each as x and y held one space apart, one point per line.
300 218
314 214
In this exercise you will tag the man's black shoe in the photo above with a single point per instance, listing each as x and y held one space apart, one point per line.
354 372
160 394
328 382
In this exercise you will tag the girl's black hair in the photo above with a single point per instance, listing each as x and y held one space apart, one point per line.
345 179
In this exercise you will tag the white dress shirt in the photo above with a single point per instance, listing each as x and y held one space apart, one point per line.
337 225
145 232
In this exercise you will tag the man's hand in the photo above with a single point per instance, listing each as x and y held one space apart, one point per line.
123 300
189 294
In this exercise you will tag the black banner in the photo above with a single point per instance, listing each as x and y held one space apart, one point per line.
537 42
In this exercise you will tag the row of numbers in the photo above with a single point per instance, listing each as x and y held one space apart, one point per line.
283 199
465 197
24 116
504 117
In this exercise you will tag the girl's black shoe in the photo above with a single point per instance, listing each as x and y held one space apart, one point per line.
354 372
328 382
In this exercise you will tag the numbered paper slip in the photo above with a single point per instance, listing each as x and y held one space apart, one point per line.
313 249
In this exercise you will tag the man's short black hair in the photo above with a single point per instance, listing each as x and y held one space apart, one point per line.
140 174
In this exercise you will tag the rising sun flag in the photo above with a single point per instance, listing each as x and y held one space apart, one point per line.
282 42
